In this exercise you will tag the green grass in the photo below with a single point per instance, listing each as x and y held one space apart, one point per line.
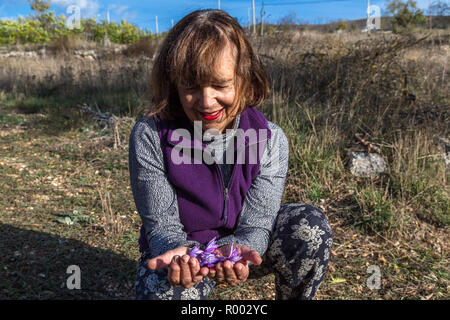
375 209
10 119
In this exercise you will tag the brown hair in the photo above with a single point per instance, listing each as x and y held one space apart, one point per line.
188 55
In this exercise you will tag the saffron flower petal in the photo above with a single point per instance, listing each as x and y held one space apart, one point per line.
234 255
235 258
211 246
194 252
208 259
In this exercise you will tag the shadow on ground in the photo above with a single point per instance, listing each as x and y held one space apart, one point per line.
33 265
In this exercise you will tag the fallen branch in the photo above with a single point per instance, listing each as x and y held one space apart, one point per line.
110 121
369 145
99 116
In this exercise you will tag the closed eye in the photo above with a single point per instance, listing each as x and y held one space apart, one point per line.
215 86
191 88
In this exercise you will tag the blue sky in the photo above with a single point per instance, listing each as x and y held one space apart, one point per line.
143 12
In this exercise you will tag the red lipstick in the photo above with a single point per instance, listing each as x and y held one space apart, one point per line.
212 116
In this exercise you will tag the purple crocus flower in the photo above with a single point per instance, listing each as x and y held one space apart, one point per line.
195 252
211 255
208 259
211 246
234 255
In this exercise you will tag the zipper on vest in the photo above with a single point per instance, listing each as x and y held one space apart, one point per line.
225 195
225 190
225 199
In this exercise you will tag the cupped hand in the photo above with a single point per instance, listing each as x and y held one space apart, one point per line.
183 270
226 272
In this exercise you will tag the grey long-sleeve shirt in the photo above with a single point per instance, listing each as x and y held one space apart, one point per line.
156 199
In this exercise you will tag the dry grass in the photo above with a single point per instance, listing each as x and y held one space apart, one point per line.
116 83
112 223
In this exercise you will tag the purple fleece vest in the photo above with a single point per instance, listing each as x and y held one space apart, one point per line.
207 208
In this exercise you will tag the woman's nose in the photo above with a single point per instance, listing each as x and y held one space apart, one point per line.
207 97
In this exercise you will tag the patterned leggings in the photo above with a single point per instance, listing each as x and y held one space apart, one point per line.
298 255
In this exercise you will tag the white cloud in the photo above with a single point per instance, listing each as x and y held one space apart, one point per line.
89 8
118 9
122 12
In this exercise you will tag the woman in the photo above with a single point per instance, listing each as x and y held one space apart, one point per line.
205 164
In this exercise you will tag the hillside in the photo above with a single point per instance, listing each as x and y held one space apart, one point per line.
439 22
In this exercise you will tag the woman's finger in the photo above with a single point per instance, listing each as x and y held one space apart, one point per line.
174 271
195 270
230 275
251 255
241 271
186 276
204 271
219 276
212 273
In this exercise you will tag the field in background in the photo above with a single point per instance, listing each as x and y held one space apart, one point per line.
66 197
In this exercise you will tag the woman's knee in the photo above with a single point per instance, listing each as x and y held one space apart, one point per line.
305 226
300 247
316 217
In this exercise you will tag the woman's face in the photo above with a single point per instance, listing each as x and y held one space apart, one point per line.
212 103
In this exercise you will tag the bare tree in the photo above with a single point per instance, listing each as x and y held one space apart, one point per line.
439 8
290 19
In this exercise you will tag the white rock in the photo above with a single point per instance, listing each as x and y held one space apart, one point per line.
445 143
366 165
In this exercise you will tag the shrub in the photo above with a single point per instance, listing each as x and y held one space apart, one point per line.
49 28
341 26
145 46
406 15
